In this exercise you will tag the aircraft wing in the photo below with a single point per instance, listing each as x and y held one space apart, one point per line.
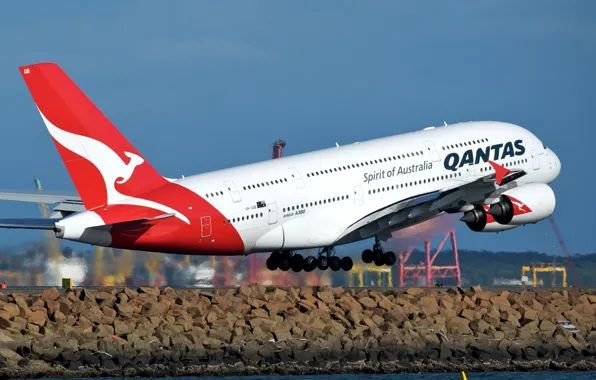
420 208
387 217
38 197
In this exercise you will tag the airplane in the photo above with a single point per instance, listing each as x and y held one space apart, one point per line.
496 173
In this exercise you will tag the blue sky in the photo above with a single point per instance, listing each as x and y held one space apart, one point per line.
198 86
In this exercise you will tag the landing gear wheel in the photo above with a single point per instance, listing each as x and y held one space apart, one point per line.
297 263
310 263
334 263
271 263
389 258
322 263
378 258
367 256
346 263
285 261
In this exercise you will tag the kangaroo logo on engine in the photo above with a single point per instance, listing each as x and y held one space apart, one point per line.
473 157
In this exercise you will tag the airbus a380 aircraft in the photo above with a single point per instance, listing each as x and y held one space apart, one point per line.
496 174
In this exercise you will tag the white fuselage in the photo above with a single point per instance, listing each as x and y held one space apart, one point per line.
313 199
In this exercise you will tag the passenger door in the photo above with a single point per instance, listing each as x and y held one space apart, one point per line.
233 191
434 153
535 160
358 195
272 212
205 226
297 178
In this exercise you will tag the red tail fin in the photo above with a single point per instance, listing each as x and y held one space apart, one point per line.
103 165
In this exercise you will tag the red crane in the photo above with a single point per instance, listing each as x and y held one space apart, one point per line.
427 270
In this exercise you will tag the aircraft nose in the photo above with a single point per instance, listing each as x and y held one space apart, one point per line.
556 164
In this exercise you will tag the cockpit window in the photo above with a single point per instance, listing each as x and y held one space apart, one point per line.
544 146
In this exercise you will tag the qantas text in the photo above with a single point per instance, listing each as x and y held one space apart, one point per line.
395 171
473 157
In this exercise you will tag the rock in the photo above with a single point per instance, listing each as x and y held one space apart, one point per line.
38 318
12 309
478 326
468 314
367 302
500 301
547 328
51 294
530 315
125 310
428 305
59 317
151 291
104 330
155 308
414 291
528 330
459 326
9 355
416 330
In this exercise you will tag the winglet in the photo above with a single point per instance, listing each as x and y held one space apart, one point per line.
500 172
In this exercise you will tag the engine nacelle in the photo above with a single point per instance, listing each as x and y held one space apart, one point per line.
479 221
521 205
530 203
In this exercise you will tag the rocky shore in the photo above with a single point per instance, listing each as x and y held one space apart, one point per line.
260 330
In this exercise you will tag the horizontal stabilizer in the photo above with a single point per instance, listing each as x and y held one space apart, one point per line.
132 221
143 220
29 223
38 197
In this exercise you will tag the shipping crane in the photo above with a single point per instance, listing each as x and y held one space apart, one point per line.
536 268
564 249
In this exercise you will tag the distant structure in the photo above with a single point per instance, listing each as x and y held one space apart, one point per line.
278 148
565 250
536 268
427 270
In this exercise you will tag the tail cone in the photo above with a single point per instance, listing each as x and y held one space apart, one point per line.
496 210
468 217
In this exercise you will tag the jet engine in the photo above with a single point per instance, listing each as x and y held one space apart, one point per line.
526 204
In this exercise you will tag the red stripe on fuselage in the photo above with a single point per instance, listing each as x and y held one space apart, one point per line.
172 235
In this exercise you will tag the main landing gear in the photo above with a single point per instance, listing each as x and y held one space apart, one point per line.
286 260
378 256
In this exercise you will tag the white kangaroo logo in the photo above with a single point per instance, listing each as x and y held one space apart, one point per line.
110 165
130 167
520 205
